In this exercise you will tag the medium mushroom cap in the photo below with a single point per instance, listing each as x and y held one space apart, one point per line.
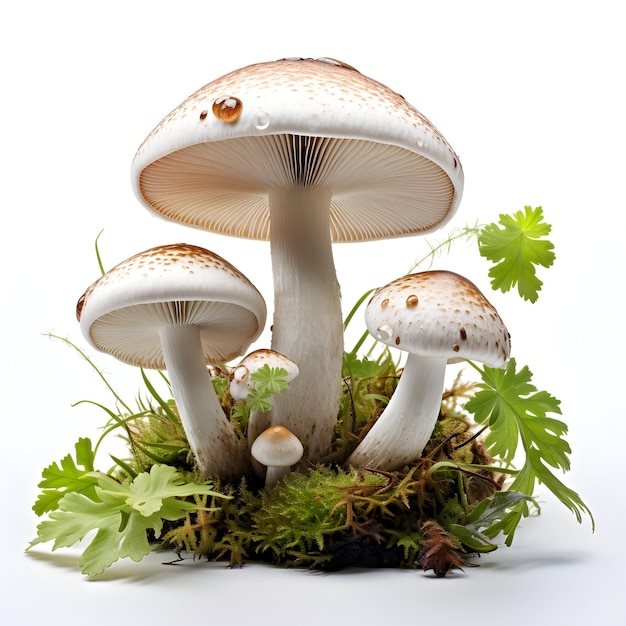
438 314
212 162
122 312
277 447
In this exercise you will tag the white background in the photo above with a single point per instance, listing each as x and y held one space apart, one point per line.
530 95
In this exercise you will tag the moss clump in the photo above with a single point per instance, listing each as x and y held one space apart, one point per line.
330 517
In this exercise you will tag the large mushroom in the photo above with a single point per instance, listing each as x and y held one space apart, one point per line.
437 317
304 153
179 307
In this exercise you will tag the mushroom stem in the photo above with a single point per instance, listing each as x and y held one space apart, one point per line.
213 442
399 435
274 474
308 325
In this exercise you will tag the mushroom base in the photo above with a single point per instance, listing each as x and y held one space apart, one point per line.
327 517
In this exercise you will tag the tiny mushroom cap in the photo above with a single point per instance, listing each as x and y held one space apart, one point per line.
438 317
179 307
278 449
304 153
241 384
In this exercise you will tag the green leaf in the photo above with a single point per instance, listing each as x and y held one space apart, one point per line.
516 245
122 514
512 407
473 539
68 476
516 412
269 380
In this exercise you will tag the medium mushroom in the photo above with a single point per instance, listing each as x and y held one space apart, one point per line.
304 153
437 317
179 307
278 449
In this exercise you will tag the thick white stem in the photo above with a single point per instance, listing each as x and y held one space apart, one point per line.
308 325
217 450
399 435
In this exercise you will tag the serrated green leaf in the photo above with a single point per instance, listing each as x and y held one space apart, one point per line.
516 412
76 516
69 475
516 245
121 513
269 380
472 538
513 408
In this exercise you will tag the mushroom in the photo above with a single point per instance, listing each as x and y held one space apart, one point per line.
437 317
179 307
241 383
278 449
304 153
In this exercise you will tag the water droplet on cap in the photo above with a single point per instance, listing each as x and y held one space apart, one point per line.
261 120
331 61
384 332
227 109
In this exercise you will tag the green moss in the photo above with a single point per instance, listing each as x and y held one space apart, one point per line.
329 517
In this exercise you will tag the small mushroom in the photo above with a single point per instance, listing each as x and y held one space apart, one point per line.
179 307
241 383
278 449
307 153
437 317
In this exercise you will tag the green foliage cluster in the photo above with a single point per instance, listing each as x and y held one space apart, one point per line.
449 504
121 512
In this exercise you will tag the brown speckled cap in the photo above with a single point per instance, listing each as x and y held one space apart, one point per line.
212 162
240 383
172 285
439 314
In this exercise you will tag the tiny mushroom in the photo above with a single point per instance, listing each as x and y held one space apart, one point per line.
278 449
304 153
437 317
180 307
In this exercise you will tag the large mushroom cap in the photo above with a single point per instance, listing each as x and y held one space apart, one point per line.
438 314
212 162
122 312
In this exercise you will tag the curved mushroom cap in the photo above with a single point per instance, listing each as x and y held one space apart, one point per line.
123 311
438 314
240 384
212 162
277 447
